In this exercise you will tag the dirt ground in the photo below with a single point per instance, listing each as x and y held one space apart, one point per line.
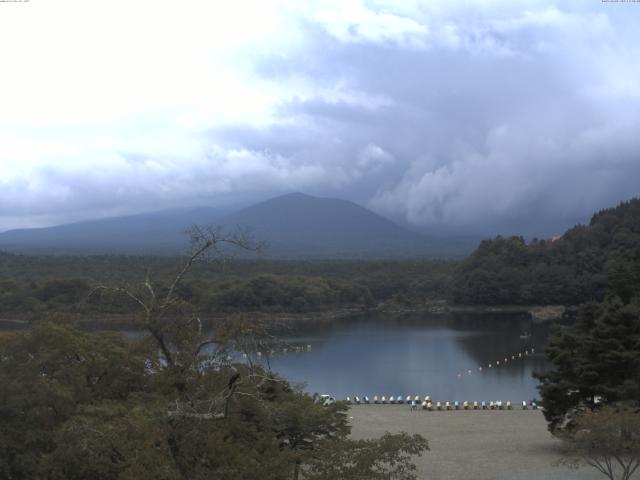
473 444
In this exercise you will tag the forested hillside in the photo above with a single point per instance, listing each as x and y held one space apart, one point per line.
32 285
582 265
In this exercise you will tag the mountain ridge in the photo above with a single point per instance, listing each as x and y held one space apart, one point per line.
295 225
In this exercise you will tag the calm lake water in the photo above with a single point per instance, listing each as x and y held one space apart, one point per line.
439 355
417 355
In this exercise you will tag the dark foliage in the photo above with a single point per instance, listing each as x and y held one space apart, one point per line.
583 265
78 406
595 361
31 286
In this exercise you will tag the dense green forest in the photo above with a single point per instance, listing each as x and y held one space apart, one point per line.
585 264
32 285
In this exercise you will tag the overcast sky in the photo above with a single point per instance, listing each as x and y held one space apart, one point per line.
479 117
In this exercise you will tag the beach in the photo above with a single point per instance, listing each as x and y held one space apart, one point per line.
473 444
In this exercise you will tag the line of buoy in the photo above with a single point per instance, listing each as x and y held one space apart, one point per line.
505 360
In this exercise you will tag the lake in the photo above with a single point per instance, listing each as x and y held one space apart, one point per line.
445 356
417 354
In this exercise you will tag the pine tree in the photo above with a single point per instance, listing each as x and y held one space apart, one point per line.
596 360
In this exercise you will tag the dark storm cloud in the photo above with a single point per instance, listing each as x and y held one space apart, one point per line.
479 117
511 125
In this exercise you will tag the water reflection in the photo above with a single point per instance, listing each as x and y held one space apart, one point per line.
417 354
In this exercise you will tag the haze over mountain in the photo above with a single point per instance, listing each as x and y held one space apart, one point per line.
161 232
294 226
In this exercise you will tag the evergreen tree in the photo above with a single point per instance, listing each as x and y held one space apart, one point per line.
595 360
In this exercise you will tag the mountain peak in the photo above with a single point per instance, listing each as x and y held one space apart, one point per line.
295 225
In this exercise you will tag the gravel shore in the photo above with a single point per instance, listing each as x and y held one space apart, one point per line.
473 444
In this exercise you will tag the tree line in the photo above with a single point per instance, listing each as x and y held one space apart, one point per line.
65 284
585 264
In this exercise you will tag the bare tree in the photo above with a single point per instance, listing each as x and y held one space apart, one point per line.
179 336
607 439
207 244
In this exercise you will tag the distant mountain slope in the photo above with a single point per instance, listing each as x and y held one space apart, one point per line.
585 263
295 226
159 232
298 225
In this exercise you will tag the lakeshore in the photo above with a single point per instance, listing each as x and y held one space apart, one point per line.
473 444
109 321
